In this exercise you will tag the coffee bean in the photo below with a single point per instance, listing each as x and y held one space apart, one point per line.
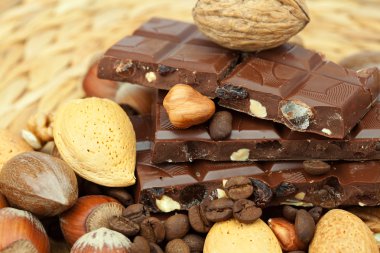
219 210
245 211
124 225
289 213
262 193
316 213
121 195
140 245
198 220
238 188
152 229
221 125
154 248
177 246
195 242
136 213
316 167
304 225
176 226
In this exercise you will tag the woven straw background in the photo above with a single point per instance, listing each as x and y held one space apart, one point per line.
47 46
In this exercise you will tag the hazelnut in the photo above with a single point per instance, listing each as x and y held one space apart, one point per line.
39 183
187 107
88 213
21 232
96 138
250 25
167 204
102 240
286 234
138 97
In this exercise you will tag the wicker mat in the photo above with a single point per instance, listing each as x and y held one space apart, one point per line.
47 45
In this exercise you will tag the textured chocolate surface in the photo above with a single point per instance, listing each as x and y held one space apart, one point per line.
162 53
355 183
264 139
289 80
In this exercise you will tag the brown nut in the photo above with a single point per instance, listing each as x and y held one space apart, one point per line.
39 183
286 234
250 25
187 107
22 232
102 240
96 87
88 213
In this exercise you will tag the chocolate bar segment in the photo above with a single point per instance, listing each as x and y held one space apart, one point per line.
188 184
297 87
162 53
262 140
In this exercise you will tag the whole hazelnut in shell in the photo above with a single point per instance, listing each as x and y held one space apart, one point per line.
250 25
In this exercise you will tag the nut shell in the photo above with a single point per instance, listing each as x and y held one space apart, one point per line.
342 231
73 221
233 236
10 146
96 138
17 226
250 25
39 183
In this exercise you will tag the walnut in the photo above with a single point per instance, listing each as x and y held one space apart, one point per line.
250 25
40 124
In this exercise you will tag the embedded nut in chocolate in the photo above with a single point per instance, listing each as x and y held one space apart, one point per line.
152 229
239 188
245 211
177 246
198 220
221 125
304 225
316 167
176 226
124 225
136 213
219 210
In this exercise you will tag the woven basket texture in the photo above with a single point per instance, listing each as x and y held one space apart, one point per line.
47 46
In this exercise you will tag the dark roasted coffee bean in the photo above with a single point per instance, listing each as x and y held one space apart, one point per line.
262 193
304 225
176 226
219 210
195 242
140 245
177 246
136 213
221 125
316 213
154 248
121 194
289 213
245 211
316 167
124 225
238 188
152 229
198 220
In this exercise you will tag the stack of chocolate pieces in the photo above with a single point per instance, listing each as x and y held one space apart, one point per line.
288 105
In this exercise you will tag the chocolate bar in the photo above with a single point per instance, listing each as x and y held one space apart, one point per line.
288 84
347 183
262 140
298 88
188 184
162 53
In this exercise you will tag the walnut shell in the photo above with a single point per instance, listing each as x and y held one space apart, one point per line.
250 25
